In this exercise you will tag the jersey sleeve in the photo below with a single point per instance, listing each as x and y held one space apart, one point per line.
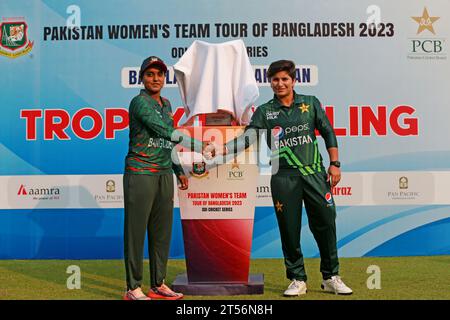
250 135
176 165
323 125
140 109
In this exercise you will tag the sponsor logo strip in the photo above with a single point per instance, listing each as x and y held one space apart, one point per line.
106 191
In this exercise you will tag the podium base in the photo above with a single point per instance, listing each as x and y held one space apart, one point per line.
255 285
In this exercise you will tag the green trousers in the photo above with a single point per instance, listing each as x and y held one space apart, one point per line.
288 193
148 209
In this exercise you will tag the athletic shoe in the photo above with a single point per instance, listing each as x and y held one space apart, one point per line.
296 288
336 285
135 294
164 292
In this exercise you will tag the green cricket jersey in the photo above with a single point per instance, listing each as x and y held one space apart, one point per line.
152 137
290 133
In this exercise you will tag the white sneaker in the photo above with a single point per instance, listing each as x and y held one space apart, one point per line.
336 285
296 288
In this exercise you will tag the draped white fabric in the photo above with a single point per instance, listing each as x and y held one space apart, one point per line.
217 77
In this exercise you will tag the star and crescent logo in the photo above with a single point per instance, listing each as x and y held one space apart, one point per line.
304 107
425 22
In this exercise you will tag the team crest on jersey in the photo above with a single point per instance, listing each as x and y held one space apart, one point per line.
14 40
199 169
277 132
304 107
329 198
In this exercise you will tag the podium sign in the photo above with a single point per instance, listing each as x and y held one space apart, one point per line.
217 214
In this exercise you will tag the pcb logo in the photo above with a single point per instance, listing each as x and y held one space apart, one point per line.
14 40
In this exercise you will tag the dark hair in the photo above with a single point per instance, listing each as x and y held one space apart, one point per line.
281 65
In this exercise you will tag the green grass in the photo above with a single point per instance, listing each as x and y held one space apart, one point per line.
401 278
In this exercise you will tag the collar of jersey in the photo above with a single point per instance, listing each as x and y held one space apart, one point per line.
297 100
155 103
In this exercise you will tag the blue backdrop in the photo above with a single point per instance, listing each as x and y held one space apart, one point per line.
64 93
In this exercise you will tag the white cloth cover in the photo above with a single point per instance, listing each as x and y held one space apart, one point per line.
214 77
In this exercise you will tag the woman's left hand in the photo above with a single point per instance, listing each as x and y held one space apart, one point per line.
334 174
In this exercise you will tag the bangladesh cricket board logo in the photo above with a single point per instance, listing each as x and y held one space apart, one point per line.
14 40
199 169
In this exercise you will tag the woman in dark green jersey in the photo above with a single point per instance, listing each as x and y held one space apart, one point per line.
298 175
148 184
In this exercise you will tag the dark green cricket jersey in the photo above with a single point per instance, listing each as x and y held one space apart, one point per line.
152 137
290 133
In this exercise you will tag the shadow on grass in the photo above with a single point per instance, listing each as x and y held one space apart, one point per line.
95 284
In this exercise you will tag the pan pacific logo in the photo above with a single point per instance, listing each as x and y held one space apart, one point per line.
14 41
403 183
403 192
110 186
426 43
110 194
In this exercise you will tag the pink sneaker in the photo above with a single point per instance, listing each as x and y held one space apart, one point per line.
135 295
164 292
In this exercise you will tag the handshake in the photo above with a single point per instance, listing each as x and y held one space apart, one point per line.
212 149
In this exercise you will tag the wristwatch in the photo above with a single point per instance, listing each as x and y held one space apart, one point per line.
337 164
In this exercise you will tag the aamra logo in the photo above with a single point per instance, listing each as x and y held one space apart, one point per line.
22 191
39 193
14 40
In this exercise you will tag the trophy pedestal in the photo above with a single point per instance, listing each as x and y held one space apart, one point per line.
254 285
217 215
